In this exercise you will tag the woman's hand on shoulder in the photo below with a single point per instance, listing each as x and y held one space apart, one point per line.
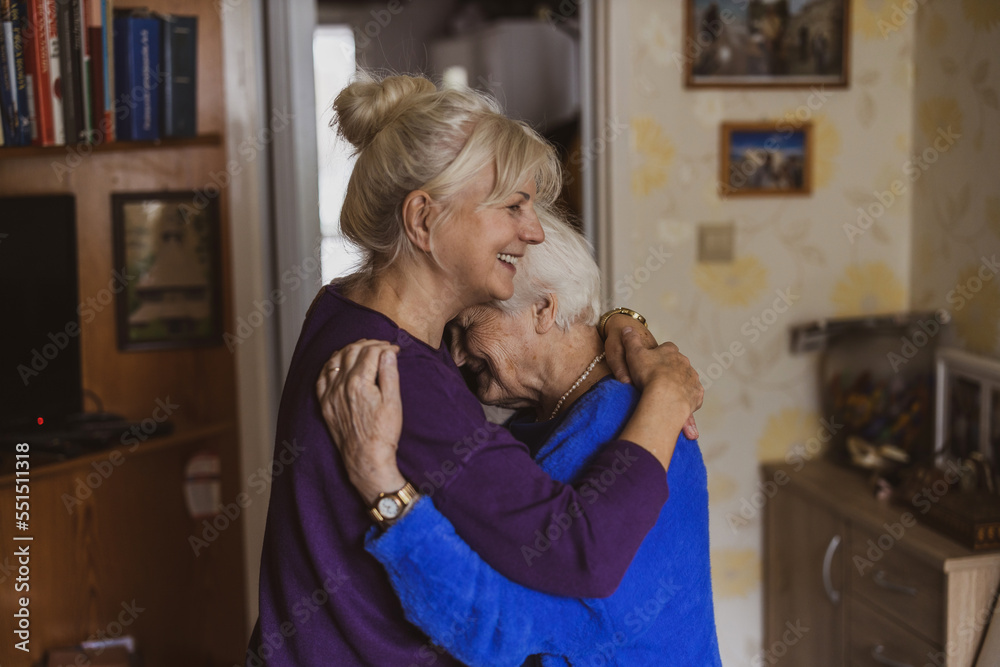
621 363
358 392
663 368
614 344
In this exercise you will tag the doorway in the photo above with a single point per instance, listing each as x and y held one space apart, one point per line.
529 56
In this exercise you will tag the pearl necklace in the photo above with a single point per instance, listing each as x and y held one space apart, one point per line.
576 384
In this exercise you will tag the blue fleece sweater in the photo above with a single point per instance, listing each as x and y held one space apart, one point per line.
661 614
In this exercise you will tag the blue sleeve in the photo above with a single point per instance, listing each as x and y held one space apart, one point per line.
467 607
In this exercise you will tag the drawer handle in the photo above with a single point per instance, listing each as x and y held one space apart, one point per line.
884 582
831 549
878 654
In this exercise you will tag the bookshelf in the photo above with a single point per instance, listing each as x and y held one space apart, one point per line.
129 539
152 446
20 152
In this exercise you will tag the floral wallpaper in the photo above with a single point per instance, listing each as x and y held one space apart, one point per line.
956 211
924 82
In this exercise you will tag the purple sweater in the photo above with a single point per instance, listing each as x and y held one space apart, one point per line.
324 600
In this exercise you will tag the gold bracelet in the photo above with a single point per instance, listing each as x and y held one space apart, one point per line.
615 311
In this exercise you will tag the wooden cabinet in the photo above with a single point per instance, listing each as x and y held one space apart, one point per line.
861 582
805 583
112 554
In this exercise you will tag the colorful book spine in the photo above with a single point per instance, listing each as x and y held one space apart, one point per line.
39 100
137 77
180 84
71 55
95 44
82 54
70 75
94 13
18 18
30 67
8 108
49 32
108 69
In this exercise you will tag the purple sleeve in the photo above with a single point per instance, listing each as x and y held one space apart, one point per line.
574 541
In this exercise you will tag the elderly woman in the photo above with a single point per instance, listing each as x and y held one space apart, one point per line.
442 201
662 612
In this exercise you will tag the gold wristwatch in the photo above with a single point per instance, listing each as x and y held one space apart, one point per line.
390 506
624 311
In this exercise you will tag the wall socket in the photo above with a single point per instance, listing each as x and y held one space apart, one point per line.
716 241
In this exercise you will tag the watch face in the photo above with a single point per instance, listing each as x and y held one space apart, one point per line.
388 507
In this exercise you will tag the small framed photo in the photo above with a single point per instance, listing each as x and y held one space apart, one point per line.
756 43
166 246
968 406
765 159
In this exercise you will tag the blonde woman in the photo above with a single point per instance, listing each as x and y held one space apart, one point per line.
442 201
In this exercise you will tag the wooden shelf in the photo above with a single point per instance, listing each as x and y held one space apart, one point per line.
182 436
21 152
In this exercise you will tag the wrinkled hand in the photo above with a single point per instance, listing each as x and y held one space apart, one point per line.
614 345
668 368
614 349
358 392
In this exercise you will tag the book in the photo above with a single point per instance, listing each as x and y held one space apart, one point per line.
180 66
8 112
138 76
30 67
18 20
94 15
69 68
107 69
95 43
81 48
48 33
13 91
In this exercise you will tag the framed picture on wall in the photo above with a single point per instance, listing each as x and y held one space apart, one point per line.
968 406
166 245
766 43
765 159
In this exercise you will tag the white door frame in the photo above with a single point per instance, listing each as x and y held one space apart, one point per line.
274 230
294 168
603 113
250 240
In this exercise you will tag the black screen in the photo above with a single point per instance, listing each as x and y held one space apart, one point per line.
39 324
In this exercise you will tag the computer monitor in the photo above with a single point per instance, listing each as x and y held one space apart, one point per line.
40 373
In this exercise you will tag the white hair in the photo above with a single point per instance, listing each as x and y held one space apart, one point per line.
564 266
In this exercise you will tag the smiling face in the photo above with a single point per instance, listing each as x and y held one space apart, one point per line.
478 247
498 350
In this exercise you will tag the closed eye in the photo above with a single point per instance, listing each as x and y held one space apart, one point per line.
517 206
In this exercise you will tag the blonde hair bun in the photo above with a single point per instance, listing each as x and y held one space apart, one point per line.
409 135
367 105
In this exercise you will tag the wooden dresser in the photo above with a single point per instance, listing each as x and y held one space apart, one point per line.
849 580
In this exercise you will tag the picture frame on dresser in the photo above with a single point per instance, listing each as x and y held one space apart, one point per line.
166 247
968 406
